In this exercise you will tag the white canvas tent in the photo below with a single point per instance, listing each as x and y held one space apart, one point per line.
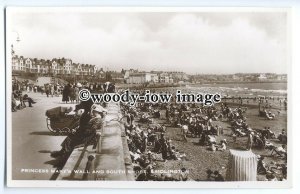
242 166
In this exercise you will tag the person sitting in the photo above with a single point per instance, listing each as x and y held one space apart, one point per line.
177 154
234 137
211 139
261 166
239 132
270 115
213 147
13 104
202 139
218 176
29 100
284 171
156 114
279 150
17 100
271 134
282 137
157 145
223 145
269 145
168 177
209 175
259 142
270 176
183 175
86 130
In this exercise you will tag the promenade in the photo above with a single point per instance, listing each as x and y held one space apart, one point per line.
32 142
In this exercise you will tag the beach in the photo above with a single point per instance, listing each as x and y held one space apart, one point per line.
199 158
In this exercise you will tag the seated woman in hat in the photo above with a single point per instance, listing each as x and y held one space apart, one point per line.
96 122
91 122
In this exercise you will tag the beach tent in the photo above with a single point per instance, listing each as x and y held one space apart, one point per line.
242 166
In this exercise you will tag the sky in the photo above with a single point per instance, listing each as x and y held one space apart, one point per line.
193 42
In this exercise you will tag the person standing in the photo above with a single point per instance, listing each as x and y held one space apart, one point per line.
76 90
72 94
65 94
185 130
47 90
167 113
52 90
250 141
164 147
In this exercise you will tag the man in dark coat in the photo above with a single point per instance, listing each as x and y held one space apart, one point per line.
164 147
66 93
47 89
79 136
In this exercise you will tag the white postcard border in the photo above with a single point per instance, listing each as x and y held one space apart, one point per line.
138 184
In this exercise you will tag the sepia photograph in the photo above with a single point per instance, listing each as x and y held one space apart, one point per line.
159 97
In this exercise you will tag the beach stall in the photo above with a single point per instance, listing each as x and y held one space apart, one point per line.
242 166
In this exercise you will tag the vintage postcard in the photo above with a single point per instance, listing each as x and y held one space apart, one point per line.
140 97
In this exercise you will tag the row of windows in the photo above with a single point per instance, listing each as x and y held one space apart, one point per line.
52 71
54 65
35 67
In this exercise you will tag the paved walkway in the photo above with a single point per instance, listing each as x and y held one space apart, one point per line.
32 142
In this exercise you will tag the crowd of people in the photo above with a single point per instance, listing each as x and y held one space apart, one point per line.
150 146
19 97
148 142
196 121
68 92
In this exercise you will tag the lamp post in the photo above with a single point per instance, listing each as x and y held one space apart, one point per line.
12 45
13 51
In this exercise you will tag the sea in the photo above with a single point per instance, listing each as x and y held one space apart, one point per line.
240 89
254 89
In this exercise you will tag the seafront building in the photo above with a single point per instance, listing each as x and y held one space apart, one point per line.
68 70
135 77
51 67
64 68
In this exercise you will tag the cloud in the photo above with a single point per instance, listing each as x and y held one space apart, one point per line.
190 42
